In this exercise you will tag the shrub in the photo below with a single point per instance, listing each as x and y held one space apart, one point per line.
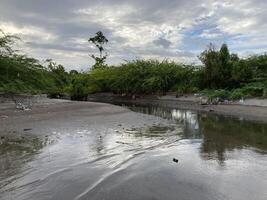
213 94
253 90
265 93
236 94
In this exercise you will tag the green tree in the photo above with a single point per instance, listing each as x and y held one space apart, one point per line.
60 76
218 67
211 60
99 40
241 73
225 67
73 72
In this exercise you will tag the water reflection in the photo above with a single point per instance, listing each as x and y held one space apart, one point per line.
188 119
15 153
219 134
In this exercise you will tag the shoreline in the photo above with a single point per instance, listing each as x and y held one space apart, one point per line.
54 114
247 112
58 111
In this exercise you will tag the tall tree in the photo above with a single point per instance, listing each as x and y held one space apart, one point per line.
211 60
99 40
225 66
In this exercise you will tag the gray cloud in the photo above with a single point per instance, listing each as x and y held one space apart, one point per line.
162 42
177 29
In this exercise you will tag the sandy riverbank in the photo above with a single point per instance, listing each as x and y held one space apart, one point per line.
54 115
49 114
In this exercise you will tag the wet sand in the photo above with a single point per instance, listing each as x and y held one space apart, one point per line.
59 114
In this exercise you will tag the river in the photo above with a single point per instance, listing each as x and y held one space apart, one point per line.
172 154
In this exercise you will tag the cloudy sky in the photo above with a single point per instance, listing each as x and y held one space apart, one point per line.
174 29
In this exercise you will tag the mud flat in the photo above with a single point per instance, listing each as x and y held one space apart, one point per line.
50 114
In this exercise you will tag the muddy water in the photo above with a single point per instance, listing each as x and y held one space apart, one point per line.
172 154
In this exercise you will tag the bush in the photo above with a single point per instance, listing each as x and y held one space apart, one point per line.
213 94
254 90
265 93
236 94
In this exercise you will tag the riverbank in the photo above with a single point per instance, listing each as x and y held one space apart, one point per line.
46 113
250 109
48 116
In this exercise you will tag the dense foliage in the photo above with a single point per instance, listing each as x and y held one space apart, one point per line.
22 74
222 75
143 77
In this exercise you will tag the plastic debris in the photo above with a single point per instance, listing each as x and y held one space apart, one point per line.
27 129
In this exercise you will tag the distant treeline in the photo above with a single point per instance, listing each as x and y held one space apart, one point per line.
222 75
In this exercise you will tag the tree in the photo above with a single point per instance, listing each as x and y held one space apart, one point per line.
225 67
73 72
99 40
6 42
224 55
218 67
241 72
59 74
211 60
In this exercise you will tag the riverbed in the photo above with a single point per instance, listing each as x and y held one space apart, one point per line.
85 150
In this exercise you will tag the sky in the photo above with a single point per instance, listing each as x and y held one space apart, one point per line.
136 29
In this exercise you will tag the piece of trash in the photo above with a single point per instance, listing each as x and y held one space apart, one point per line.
119 142
23 103
27 129
175 160
21 106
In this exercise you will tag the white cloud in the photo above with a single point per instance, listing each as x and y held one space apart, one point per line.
27 31
178 30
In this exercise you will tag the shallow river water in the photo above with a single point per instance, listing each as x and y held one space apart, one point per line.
172 154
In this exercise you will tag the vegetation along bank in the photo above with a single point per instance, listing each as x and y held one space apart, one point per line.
222 75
